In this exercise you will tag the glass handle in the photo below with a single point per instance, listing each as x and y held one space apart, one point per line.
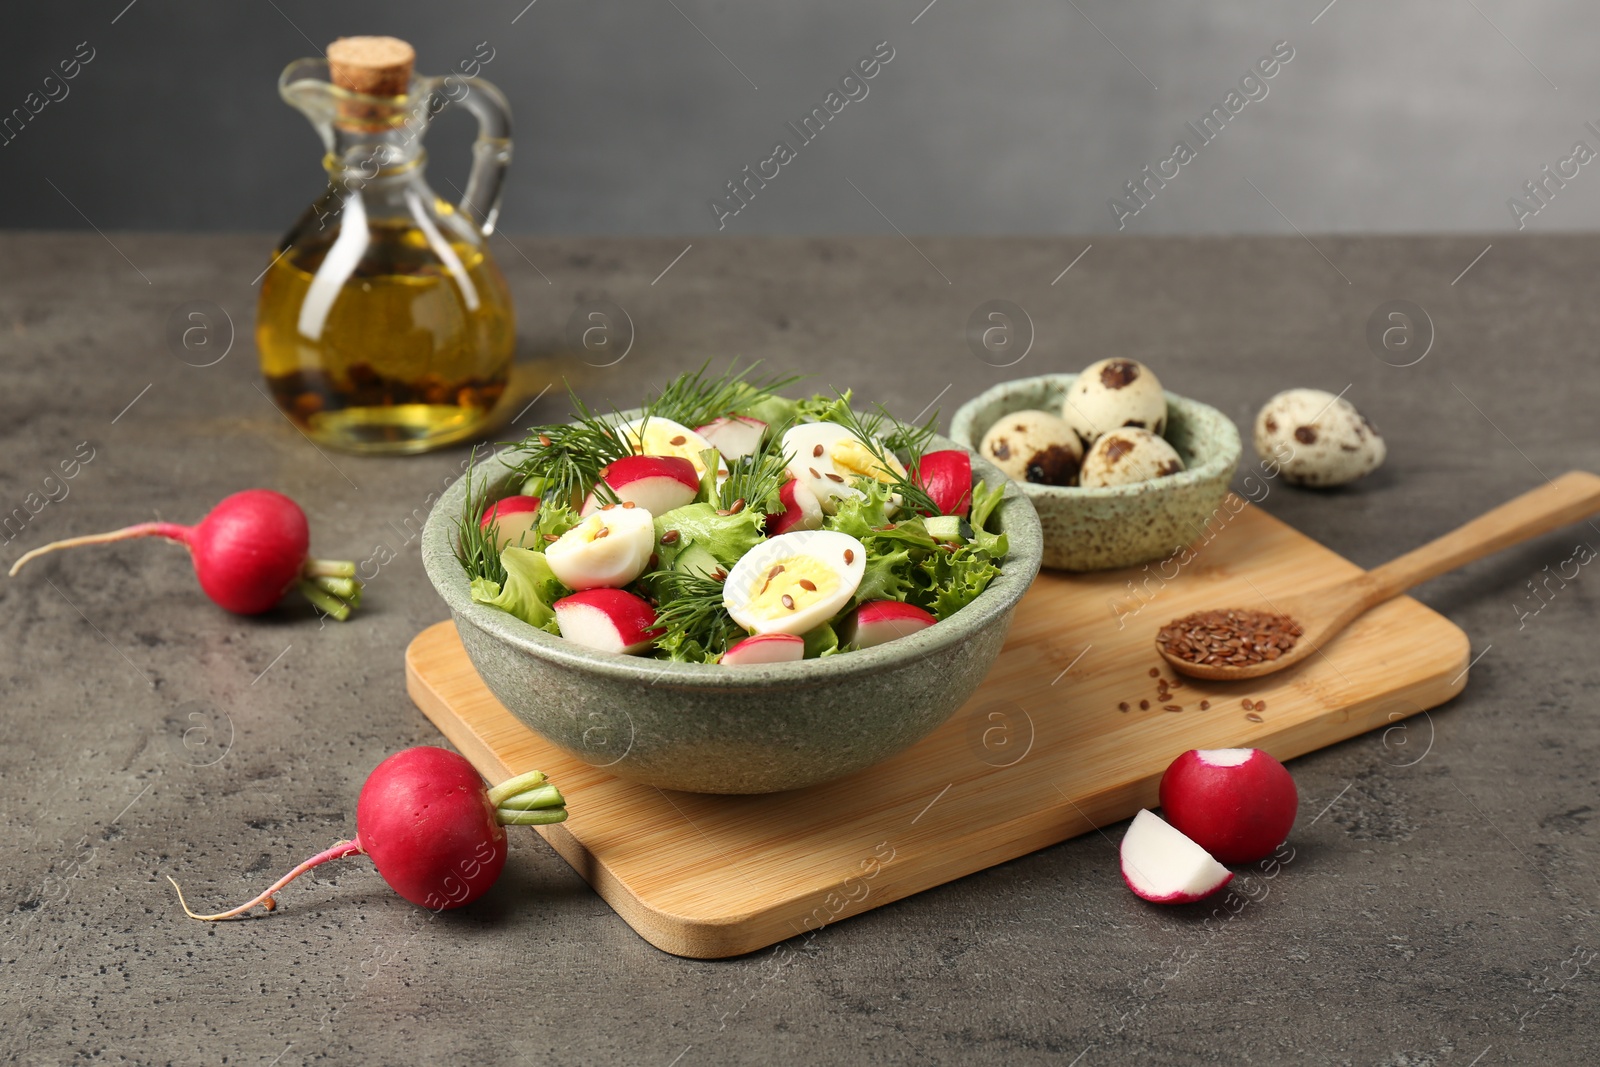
491 152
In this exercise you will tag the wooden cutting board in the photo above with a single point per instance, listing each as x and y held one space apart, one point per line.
1040 753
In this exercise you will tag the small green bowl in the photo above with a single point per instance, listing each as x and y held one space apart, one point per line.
1096 529
706 728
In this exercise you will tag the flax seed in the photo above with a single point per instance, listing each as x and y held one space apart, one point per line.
1237 637
1123 706
1155 672
1261 705
849 555
1172 707
813 472
1205 705
629 504
808 585
552 537
738 506
788 601
1247 704
544 441
605 531
678 440
670 537
817 451
1253 717
832 477
1144 705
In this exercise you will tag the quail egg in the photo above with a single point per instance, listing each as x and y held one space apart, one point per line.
1128 455
1111 394
794 582
826 458
1034 446
1317 439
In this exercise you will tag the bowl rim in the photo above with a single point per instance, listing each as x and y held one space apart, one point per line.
1224 459
1024 557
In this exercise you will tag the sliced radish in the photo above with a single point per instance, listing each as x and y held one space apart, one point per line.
1163 866
609 548
735 436
1237 803
765 648
610 620
878 621
513 518
801 510
947 476
656 483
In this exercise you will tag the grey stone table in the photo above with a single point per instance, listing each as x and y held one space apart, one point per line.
1441 905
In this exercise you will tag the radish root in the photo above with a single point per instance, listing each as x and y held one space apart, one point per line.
337 852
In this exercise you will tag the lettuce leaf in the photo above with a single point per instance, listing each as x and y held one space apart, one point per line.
726 537
529 591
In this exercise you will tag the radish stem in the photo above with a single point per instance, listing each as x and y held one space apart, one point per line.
170 530
545 796
337 852
512 786
329 568
329 603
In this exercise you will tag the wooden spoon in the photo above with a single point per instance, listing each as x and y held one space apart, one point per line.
1325 610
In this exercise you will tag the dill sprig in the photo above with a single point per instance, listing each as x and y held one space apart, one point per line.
694 399
475 544
756 478
569 458
691 615
883 435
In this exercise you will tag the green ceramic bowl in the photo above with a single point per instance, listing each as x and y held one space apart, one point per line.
1094 529
706 728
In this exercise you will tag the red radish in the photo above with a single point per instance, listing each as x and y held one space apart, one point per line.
947 477
878 621
765 648
433 830
801 510
1238 804
248 552
735 436
611 620
513 519
656 483
1164 867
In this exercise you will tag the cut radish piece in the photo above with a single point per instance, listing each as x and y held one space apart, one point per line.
878 621
1163 866
513 519
656 483
765 648
611 620
735 436
655 436
947 477
801 510
1237 803
612 547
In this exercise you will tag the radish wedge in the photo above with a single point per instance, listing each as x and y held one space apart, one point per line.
656 483
765 648
801 510
1163 866
879 621
947 477
735 436
513 519
610 620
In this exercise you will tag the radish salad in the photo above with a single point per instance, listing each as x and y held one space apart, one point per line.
730 524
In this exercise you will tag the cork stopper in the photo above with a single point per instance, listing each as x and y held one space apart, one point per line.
375 66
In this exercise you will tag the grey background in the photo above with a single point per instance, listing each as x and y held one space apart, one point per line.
1005 117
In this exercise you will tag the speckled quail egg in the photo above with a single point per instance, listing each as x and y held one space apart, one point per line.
1317 439
1128 455
1111 394
1034 446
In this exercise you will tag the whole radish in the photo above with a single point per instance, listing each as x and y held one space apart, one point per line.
250 550
435 832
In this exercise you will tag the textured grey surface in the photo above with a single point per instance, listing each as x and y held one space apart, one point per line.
1090 529
1440 908
1020 117
758 729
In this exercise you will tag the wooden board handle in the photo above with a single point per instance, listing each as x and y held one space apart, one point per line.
1573 496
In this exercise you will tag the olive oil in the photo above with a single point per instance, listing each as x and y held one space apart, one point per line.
383 323
409 350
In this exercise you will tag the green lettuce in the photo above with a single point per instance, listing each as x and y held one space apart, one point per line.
727 537
530 589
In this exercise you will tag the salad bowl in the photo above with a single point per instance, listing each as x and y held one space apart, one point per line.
710 728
